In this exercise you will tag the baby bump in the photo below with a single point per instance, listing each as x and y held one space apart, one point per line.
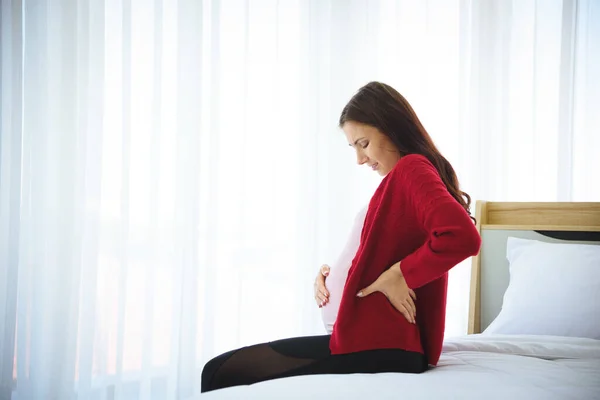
335 285
338 274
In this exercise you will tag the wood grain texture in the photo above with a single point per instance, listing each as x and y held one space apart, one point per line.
541 214
474 298
576 228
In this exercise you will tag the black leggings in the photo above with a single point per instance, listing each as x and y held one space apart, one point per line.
301 356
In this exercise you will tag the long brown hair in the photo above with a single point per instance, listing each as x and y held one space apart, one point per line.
381 106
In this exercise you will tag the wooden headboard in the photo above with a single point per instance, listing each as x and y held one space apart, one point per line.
496 221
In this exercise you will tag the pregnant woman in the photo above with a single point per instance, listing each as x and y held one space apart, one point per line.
392 290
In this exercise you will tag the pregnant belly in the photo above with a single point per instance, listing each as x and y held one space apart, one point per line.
335 284
336 280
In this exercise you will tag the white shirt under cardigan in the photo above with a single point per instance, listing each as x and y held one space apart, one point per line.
339 272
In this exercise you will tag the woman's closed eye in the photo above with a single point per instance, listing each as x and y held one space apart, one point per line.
364 145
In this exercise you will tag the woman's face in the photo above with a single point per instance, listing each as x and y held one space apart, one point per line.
372 147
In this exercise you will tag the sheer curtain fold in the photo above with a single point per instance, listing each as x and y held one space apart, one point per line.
566 102
11 41
89 20
190 137
586 100
172 174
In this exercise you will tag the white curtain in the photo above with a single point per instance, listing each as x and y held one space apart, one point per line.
172 176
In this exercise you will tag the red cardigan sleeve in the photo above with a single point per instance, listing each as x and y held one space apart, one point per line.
452 236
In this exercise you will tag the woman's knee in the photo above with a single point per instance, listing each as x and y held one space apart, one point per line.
210 370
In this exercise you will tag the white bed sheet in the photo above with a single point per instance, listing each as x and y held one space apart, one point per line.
472 367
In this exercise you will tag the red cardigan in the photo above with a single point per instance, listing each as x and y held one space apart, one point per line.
411 218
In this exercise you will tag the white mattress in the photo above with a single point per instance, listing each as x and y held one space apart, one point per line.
471 367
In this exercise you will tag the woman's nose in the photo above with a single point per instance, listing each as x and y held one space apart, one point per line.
361 158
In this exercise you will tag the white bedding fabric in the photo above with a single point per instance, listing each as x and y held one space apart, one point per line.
472 367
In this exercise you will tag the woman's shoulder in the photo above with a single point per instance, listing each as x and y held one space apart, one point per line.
410 164
410 172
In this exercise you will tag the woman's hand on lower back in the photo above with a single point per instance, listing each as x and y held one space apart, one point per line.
321 292
393 285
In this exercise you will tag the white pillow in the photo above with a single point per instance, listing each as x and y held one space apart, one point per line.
554 289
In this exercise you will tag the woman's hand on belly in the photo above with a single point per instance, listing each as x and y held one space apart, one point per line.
393 285
321 292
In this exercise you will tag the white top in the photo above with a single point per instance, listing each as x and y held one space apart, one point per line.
339 272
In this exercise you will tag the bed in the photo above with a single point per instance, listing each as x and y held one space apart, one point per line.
533 322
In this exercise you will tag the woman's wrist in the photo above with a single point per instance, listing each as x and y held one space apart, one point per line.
396 268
